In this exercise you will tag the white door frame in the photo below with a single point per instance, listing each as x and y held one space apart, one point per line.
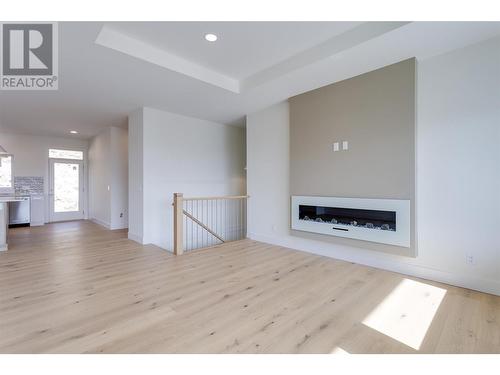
66 216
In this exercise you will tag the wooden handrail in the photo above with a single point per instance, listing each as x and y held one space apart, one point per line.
178 229
213 198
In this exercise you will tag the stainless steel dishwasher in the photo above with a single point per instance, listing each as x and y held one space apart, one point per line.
19 212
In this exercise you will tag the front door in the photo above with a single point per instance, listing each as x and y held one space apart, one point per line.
66 190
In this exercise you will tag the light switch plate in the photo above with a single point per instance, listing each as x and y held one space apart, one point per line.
335 146
345 145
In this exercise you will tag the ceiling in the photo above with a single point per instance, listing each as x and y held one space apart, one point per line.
106 70
242 48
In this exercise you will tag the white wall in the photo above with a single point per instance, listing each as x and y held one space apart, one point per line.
268 171
181 154
119 178
135 176
31 157
458 174
108 178
99 178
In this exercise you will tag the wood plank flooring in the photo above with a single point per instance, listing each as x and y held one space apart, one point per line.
78 288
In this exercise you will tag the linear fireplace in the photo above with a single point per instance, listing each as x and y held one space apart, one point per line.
377 220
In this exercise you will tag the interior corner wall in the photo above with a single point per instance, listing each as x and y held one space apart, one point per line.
457 175
99 178
135 176
108 178
173 153
268 172
119 178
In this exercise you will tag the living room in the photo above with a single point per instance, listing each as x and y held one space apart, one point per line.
283 186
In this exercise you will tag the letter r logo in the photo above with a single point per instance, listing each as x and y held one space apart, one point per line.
27 49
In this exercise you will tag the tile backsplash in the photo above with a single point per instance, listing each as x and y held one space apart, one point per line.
28 185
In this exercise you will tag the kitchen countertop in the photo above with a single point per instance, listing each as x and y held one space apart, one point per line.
9 199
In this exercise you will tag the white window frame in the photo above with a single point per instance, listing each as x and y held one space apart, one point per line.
84 161
71 215
75 149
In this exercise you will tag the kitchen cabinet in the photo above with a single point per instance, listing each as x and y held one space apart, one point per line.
37 210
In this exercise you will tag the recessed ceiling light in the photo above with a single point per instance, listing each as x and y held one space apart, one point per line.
73 132
211 37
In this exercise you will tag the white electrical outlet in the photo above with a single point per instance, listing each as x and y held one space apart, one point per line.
469 259
336 146
345 145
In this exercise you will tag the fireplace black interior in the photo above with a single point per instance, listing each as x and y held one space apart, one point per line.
373 219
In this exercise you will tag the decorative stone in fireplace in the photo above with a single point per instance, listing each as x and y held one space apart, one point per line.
377 220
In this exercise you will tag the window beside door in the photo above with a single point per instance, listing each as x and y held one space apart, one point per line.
6 179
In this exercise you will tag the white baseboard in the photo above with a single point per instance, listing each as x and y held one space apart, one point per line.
107 225
116 227
415 270
100 222
136 238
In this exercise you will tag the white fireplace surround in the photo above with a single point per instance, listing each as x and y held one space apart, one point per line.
398 237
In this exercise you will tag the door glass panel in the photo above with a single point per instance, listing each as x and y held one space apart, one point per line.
66 187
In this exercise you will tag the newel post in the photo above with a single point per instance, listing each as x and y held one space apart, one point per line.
178 230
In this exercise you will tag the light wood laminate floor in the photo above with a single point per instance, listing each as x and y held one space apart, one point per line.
76 287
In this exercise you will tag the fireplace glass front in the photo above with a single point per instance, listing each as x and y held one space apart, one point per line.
372 219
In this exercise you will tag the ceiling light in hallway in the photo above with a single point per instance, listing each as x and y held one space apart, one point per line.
211 37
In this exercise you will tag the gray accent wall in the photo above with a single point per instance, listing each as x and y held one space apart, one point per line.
375 113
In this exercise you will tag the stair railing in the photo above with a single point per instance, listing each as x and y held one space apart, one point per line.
208 221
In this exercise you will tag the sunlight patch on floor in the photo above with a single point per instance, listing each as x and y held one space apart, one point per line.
338 350
407 312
